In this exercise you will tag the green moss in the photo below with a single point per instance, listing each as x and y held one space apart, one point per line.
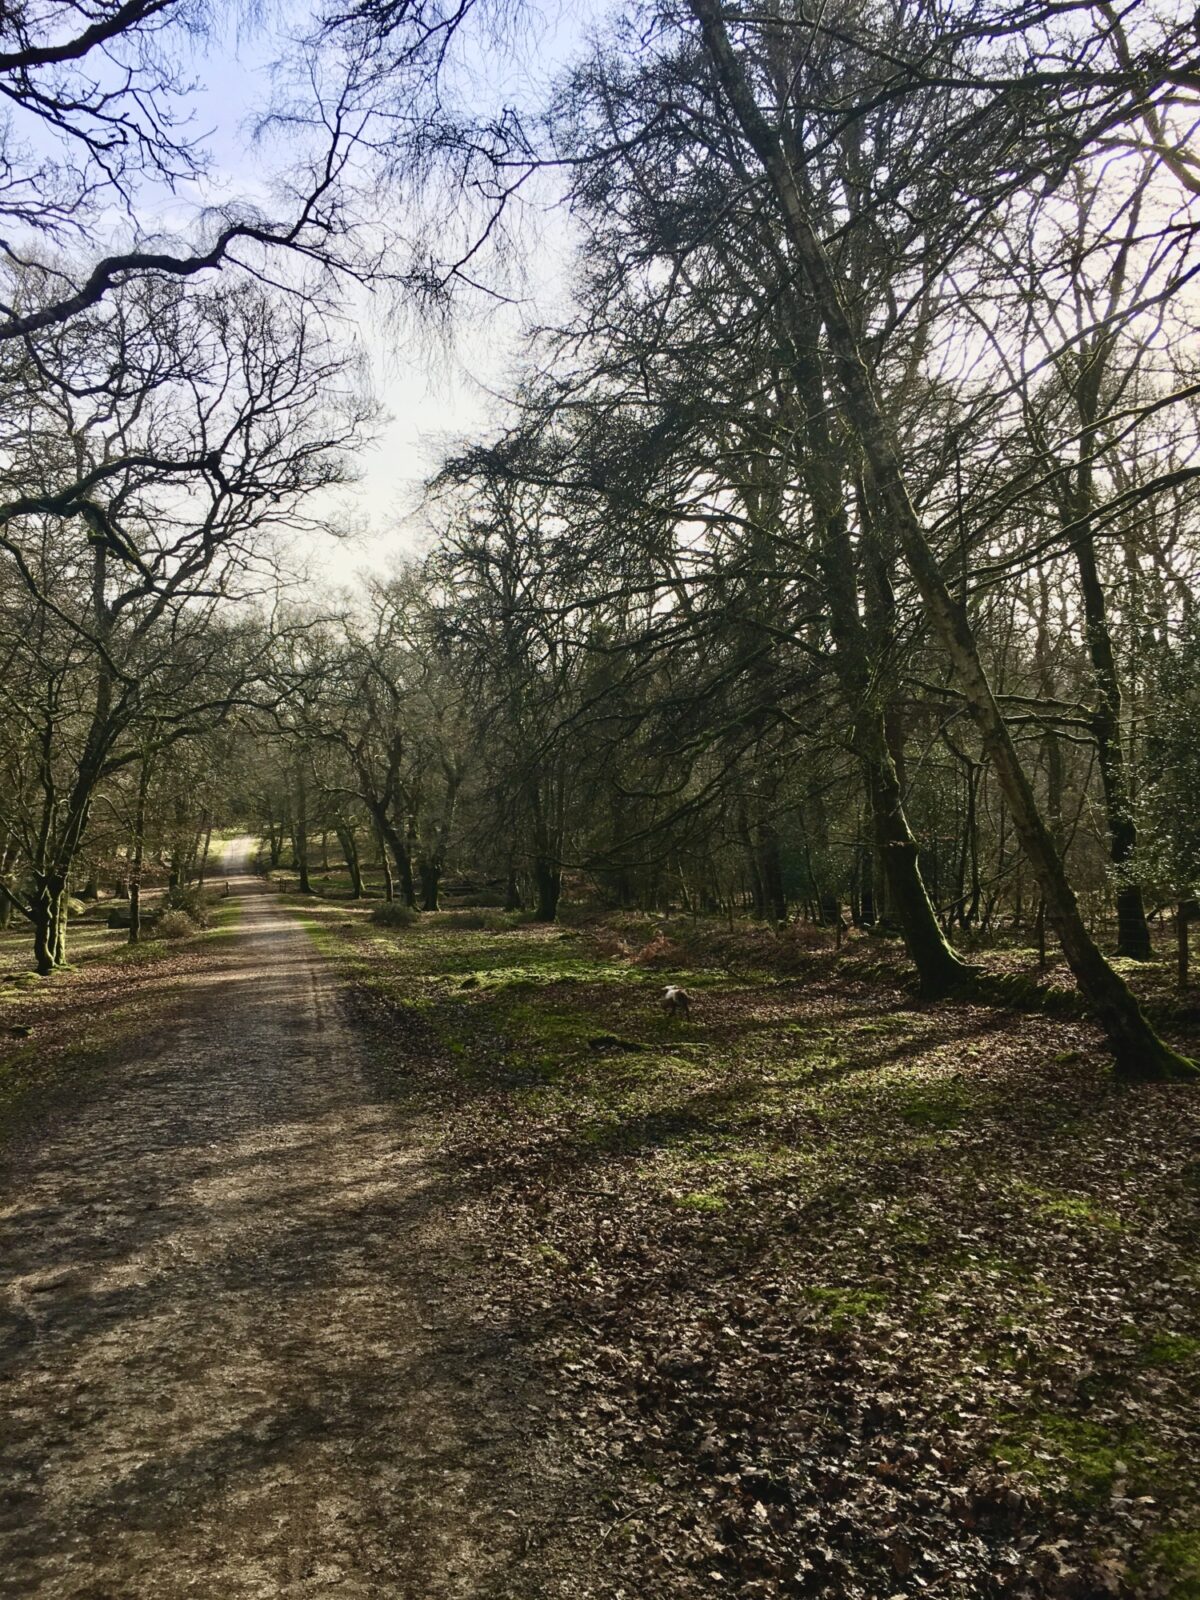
701 1200
1171 1349
1077 1208
225 915
1069 1207
1176 1554
600 1133
845 1306
938 1106
537 1021
1074 1456
1002 1357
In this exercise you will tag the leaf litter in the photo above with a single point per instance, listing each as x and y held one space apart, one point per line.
834 1292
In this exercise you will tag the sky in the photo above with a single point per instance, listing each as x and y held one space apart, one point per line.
434 391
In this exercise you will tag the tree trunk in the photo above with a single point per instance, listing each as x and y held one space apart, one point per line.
300 834
393 845
770 868
1184 912
139 845
43 937
389 883
60 930
11 856
49 909
1138 1051
1133 931
547 879
866 854
408 889
203 865
968 888
345 835
939 968
758 896
547 869
430 873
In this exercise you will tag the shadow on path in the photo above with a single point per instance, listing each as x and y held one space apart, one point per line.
243 1351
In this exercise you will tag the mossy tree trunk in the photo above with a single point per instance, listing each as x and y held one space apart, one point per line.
401 869
939 968
430 875
48 914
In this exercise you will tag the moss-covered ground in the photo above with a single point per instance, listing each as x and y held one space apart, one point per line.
841 1293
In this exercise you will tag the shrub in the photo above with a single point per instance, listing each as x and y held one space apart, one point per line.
660 952
121 916
394 914
190 900
479 919
174 924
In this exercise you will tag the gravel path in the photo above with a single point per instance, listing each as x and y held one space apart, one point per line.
239 1350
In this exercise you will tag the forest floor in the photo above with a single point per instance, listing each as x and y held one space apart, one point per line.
432 1261
835 1292
58 1036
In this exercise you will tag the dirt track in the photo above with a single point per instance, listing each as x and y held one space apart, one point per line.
240 1351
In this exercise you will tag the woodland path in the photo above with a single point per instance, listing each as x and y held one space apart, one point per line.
240 1353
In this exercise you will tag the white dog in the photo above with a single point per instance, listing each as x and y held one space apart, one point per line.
676 1002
